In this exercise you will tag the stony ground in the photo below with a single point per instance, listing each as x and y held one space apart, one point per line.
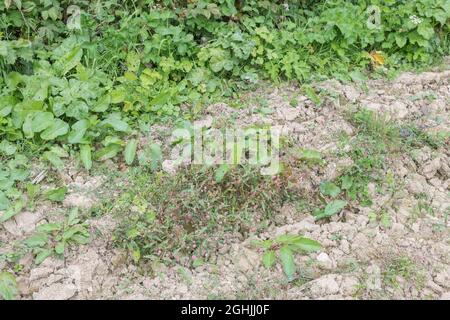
403 255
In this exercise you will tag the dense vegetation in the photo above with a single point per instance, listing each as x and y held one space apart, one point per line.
79 77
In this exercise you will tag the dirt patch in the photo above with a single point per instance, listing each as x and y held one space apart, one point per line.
398 247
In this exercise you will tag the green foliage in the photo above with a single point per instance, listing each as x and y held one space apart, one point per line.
79 77
168 216
8 286
286 246
54 238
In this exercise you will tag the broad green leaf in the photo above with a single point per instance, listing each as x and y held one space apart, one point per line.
78 131
130 151
425 31
287 261
108 152
269 258
56 129
70 60
155 156
347 182
7 148
117 124
329 189
57 195
86 156
37 240
332 208
41 121
306 244
72 219
59 248
41 255
54 159
8 286
13 210
6 105
49 227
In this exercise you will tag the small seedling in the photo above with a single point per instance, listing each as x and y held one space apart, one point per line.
284 248
54 238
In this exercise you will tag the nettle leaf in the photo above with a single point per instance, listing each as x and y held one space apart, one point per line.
287 261
56 195
269 258
56 129
130 151
86 156
329 189
8 286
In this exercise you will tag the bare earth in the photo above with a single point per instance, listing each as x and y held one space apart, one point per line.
406 257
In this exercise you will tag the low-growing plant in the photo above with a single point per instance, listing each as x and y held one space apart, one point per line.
283 249
54 238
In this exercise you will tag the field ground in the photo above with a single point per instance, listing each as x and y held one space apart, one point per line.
391 241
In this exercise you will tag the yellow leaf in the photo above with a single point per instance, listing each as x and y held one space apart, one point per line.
377 57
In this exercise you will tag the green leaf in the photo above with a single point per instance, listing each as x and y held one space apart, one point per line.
347 182
117 124
8 286
42 255
425 31
59 248
7 148
130 151
70 60
56 129
4 202
72 219
41 121
269 258
108 152
37 240
78 131
306 244
310 155
86 156
332 208
400 40
49 227
287 261
56 195
329 189
221 172
155 156
54 159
